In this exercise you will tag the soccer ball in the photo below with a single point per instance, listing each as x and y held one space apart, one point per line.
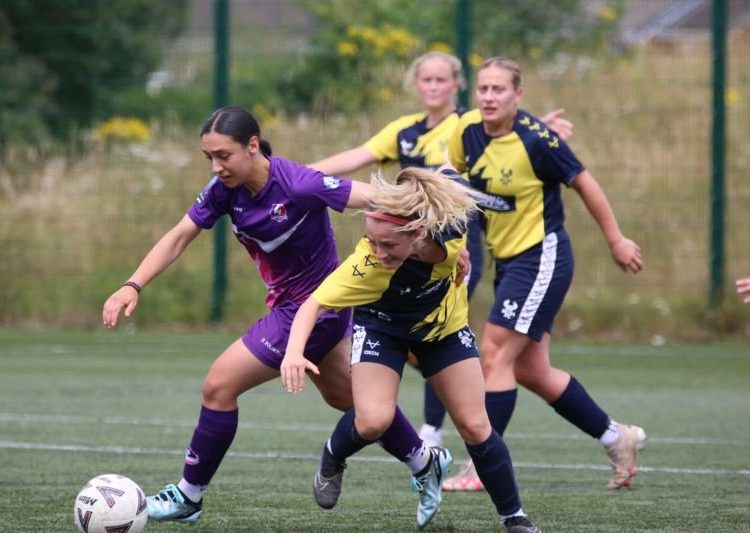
110 504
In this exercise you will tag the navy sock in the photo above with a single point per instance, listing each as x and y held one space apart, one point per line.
345 441
211 439
577 407
400 439
495 469
434 410
500 406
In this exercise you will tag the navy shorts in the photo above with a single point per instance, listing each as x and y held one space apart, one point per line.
376 346
267 338
530 287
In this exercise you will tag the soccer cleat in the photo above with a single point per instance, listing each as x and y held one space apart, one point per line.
170 504
466 480
431 435
327 489
429 484
520 524
622 455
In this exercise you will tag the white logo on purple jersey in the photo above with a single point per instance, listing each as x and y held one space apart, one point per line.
278 213
270 246
331 183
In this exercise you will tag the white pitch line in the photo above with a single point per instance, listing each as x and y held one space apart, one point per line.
12 445
327 428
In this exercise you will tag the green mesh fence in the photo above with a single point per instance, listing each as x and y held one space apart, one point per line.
74 226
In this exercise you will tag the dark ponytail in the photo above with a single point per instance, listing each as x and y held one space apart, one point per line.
237 123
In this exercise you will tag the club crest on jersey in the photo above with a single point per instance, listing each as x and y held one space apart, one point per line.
331 183
406 146
506 176
278 213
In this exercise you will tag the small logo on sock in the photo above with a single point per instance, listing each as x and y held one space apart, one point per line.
191 458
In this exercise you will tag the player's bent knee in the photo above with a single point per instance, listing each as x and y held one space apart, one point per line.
372 427
473 431
216 395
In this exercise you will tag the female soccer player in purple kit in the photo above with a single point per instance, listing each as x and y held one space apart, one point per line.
279 213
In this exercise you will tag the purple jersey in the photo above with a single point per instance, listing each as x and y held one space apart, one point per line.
285 227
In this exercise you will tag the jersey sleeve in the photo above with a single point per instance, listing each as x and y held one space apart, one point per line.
313 189
384 144
551 157
358 280
456 153
210 205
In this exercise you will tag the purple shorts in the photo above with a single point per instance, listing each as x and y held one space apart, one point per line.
267 338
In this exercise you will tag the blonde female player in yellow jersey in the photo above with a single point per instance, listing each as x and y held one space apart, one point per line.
519 165
421 140
400 280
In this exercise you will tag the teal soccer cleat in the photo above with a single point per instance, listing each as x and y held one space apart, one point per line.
170 504
429 485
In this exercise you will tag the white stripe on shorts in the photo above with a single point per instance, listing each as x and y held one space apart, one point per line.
358 339
541 284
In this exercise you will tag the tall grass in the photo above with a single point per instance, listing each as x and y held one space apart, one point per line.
73 228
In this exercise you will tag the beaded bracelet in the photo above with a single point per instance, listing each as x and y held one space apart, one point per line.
131 283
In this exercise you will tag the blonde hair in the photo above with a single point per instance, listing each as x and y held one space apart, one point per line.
426 199
410 78
505 63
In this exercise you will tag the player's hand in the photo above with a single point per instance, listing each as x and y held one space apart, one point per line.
463 266
126 297
563 127
627 255
743 287
293 368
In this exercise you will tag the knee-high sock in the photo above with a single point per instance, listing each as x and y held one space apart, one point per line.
401 439
577 407
500 406
345 440
211 439
495 469
434 410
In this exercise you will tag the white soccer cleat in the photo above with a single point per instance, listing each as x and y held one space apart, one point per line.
622 455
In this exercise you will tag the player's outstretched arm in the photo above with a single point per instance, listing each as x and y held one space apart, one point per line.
345 162
294 365
625 252
164 253
554 119
743 287
360 196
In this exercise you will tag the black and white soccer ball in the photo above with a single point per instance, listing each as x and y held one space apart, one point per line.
110 503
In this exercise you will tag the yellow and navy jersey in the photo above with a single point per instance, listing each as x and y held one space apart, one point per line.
417 301
520 174
409 141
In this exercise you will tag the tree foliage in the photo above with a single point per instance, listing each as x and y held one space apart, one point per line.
65 61
344 71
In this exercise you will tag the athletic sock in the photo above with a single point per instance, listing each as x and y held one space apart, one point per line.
577 407
500 406
212 438
611 435
402 441
193 493
495 469
434 410
345 441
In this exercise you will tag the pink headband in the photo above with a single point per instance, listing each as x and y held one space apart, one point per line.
388 218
